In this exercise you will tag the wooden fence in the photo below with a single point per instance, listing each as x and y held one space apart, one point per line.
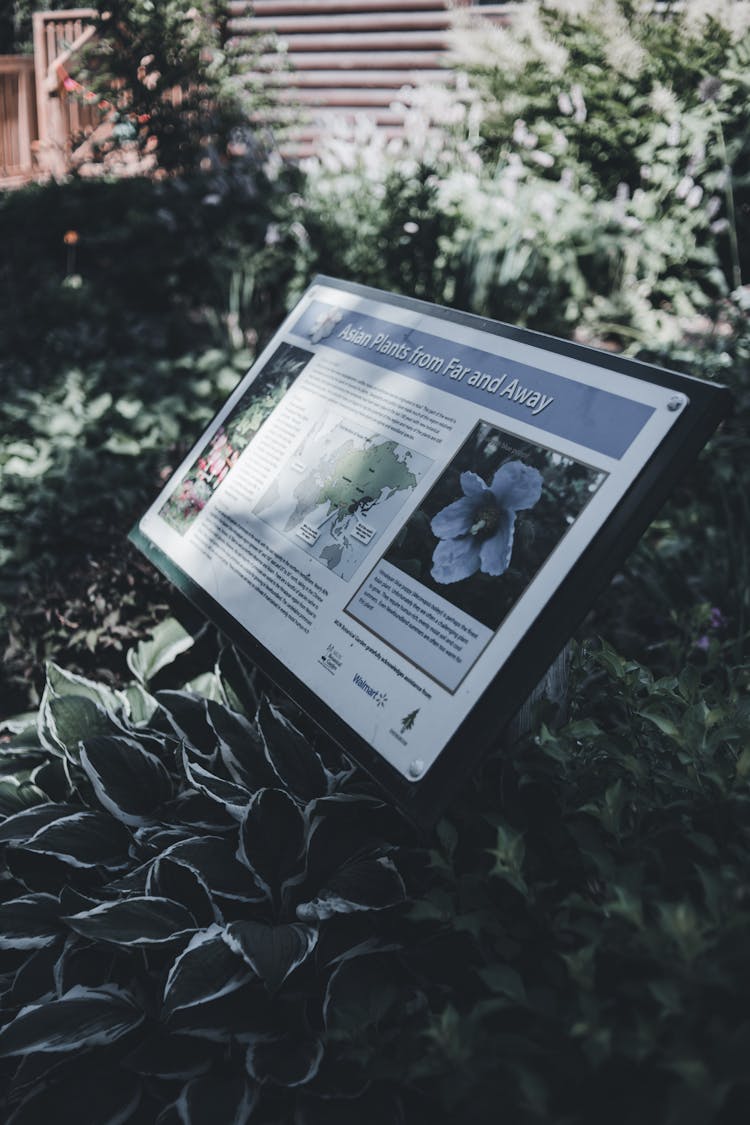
64 121
17 118
340 58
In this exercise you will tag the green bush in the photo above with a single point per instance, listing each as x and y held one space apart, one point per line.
116 348
172 84
621 100
206 911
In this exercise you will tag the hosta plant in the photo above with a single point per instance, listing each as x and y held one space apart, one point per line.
206 916
187 896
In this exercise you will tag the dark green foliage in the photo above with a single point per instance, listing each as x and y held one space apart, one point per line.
189 909
172 84
15 23
575 928
115 352
619 99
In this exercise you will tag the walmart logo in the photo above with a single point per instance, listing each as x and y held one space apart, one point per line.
379 697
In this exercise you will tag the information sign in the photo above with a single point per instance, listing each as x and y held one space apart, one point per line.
403 511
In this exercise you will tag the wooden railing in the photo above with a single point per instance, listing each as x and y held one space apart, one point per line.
64 120
17 118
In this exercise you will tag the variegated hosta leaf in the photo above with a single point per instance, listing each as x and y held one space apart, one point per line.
73 708
206 970
30 922
366 884
17 794
285 1062
34 982
273 952
83 1017
167 1054
60 682
234 798
272 838
168 878
21 826
107 1097
228 1098
138 921
241 748
291 756
129 781
185 714
168 641
83 839
213 859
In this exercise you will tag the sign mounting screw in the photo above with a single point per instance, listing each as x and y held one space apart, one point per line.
674 403
416 768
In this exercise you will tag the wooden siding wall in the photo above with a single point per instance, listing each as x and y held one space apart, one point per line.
352 57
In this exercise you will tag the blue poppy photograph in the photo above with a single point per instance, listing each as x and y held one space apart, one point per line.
492 520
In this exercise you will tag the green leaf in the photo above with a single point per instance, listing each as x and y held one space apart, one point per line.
583 729
107 1097
272 838
61 682
233 798
83 1017
663 722
290 755
291 1061
164 1054
241 747
208 686
138 921
68 719
365 884
272 952
504 981
168 878
206 970
168 641
359 995
84 839
123 445
21 826
204 1101
509 854
141 705
30 922
214 860
129 781
17 794
186 715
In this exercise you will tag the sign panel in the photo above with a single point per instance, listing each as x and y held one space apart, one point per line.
402 511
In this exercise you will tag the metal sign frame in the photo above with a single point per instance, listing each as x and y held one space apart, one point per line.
696 407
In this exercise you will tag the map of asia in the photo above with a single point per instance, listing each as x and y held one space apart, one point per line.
339 491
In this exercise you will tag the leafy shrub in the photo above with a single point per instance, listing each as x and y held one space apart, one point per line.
622 100
171 84
115 350
186 892
205 911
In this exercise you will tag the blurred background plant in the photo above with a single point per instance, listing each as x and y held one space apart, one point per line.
171 79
